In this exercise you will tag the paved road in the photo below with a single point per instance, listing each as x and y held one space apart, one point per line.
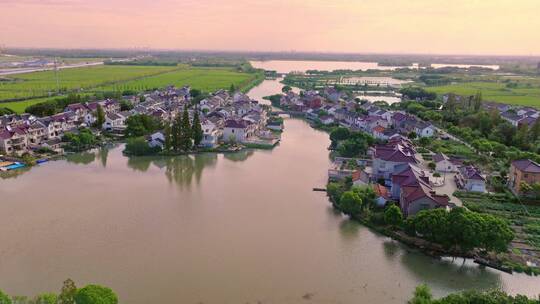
5 72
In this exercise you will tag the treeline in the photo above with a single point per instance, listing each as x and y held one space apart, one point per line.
6 111
458 231
423 295
142 63
69 294
417 93
461 230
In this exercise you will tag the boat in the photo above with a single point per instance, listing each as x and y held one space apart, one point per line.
41 161
14 166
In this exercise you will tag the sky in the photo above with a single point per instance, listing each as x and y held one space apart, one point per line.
501 27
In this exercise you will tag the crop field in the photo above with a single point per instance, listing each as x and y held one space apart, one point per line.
34 86
204 79
39 84
525 95
525 219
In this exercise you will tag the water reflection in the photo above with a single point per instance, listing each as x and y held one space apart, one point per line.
448 273
14 173
349 229
181 170
391 249
103 153
184 169
239 156
83 158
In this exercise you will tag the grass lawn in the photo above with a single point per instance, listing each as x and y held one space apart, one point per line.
120 78
495 91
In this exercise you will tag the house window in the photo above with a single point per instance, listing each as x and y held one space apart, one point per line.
233 130
526 175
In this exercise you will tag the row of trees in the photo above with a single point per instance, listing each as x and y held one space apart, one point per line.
461 229
422 295
69 294
182 135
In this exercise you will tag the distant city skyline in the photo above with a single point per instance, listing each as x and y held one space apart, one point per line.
497 27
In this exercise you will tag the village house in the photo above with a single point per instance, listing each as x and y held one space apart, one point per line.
523 170
469 178
13 141
114 121
424 129
388 158
238 130
444 164
211 134
381 195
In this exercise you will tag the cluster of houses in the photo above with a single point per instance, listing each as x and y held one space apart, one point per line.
227 118
224 117
515 115
24 133
332 107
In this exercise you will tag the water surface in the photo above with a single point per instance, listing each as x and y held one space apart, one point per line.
233 228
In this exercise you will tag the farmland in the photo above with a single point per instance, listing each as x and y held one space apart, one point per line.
526 92
204 79
34 86
40 84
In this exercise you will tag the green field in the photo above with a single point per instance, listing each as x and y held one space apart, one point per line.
204 79
90 80
39 84
495 91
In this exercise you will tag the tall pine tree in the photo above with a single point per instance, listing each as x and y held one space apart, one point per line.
196 129
185 132
168 137
176 133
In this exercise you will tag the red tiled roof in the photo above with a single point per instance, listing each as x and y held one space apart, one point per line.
381 190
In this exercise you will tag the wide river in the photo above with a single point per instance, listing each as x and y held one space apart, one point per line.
210 228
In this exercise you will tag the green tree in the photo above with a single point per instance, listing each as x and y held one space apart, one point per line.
100 116
196 129
350 203
95 294
422 295
232 88
4 298
167 133
141 125
334 191
184 132
46 298
393 216
68 292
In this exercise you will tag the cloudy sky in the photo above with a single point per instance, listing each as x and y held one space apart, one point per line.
381 26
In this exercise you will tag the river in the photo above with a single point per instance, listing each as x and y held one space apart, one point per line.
287 66
210 228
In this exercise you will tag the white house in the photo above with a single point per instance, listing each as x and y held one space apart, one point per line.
424 129
443 163
470 179
211 134
237 130
113 121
